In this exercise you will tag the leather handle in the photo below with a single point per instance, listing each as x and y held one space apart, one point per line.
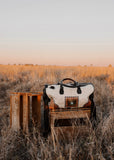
74 84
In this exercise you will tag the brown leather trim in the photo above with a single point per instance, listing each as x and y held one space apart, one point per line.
88 104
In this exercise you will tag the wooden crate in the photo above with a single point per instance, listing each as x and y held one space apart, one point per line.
68 131
23 107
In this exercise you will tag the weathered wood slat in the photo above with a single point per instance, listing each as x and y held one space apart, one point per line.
70 114
15 112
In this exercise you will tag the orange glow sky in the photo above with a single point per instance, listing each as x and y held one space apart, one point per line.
62 32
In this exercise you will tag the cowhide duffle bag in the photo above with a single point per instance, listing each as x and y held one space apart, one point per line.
69 95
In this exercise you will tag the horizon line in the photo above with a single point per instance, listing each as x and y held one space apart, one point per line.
78 65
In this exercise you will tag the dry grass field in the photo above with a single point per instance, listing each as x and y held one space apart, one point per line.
98 145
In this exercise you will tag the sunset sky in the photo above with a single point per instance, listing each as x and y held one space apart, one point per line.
57 32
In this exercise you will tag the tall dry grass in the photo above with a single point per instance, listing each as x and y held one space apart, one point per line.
97 145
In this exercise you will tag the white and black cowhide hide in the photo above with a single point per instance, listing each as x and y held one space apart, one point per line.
58 93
